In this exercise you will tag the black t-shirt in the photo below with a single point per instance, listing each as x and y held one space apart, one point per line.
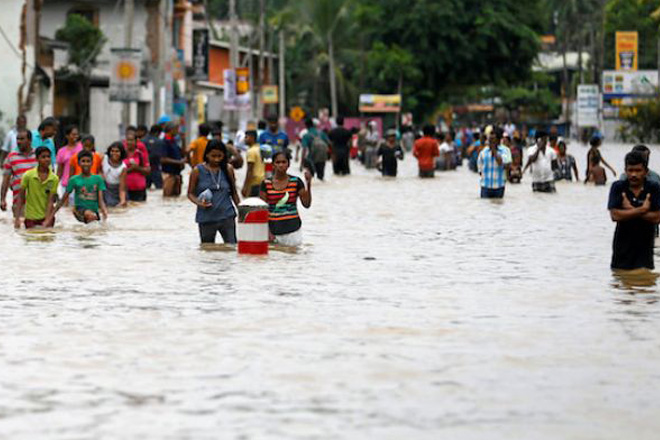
633 239
340 138
154 147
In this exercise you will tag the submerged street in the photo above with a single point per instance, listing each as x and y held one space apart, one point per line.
414 310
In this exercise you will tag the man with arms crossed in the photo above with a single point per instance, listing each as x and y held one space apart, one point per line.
634 205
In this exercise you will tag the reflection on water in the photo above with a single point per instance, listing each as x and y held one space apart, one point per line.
414 310
636 281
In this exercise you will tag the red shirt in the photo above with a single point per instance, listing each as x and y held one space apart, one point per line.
136 181
426 150
16 165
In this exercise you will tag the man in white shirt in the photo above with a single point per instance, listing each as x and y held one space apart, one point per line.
10 143
542 159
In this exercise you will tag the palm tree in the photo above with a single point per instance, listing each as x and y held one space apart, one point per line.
324 20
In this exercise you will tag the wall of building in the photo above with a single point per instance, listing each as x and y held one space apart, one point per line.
11 76
110 20
105 116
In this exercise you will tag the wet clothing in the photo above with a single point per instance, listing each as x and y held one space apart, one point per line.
16 164
86 191
340 138
279 141
426 150
391 156
198 148
492 193
283 206
38 141
564 169
75 166
542 167
493 175
135 180
258 167
64 158
171 150
137 195
544 187
37 193
633 239
222 207
226 228
154 147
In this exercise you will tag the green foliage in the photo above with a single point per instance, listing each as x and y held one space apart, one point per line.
85 40
642 124
632 15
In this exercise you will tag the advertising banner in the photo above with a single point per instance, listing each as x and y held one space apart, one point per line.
125 67
271 94
588 105
626 51
380 103
625 84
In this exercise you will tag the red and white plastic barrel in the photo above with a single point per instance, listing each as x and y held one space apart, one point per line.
253 227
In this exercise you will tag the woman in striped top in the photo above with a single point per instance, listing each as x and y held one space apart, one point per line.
282 193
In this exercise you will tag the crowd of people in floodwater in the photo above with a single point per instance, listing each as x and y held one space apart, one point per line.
43 176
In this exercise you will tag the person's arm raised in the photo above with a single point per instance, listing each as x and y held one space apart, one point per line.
306 192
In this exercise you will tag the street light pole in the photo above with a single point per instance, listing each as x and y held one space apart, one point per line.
129 16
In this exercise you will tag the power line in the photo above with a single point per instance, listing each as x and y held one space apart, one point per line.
11 45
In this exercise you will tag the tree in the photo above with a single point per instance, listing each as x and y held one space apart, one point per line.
85 43
626 15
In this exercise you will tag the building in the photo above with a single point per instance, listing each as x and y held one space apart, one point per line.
44 82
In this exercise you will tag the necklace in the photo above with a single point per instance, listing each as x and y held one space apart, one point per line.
214 179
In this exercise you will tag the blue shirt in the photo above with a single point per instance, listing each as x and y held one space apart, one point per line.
222 207
493 175
38 141
279 141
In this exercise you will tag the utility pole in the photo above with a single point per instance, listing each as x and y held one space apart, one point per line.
129 16
233 56
159 77
262 60
282 77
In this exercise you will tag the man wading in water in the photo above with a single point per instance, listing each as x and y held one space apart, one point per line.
635 205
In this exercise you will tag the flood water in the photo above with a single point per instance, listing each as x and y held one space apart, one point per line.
415 310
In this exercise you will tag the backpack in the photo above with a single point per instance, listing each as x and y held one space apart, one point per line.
319 149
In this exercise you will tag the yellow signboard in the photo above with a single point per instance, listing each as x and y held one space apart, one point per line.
626 51
271 94
242 80
297 114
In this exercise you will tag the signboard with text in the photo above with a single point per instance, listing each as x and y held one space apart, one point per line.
626 51
380 103
270 95
625 84
588 105
125 67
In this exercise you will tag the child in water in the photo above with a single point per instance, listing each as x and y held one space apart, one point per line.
596 172
390 151
89 192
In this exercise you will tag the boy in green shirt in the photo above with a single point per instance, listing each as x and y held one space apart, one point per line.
38 193
89 192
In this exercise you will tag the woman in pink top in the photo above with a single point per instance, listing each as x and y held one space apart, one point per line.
137 170
65 154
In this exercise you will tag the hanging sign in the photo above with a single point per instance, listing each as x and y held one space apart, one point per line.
125 74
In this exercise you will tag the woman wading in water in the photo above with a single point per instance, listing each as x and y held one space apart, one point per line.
282 193
212 188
